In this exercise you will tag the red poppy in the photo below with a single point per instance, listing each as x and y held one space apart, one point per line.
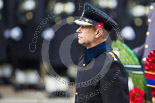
138 100
153 92
136 95
150 62
100 25
142 92
131 93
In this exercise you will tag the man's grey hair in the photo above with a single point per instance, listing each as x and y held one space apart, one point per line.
105 33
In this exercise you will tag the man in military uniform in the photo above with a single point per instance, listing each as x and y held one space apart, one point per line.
149 44
63 18
101 77
143 51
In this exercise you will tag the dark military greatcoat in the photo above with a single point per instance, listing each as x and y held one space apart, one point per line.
101 77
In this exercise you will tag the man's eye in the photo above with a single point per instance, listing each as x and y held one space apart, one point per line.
83 27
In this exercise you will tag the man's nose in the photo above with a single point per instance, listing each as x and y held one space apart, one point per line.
78 30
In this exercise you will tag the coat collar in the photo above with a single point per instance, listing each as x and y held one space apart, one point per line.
95 51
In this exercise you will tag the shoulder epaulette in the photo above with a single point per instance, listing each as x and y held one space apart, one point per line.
112 54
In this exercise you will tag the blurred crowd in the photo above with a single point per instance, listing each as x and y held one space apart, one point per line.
38 39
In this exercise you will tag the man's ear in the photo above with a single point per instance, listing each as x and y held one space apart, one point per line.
98 33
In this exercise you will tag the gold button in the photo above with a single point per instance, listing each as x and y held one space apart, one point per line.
149 20
146 46
76 93
151 7
144 59
84 65
147 33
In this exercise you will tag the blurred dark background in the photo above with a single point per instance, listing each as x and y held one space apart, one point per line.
27 24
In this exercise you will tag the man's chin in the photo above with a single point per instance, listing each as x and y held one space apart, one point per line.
80 42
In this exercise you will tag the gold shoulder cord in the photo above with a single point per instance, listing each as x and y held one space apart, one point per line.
112 54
